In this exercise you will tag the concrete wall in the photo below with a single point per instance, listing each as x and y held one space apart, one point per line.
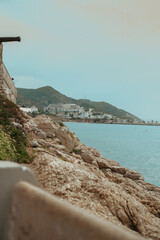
10 174
1 53
7 87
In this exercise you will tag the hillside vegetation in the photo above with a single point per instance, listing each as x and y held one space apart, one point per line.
44 96
13 141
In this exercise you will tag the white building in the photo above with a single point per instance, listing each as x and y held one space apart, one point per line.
32 109
63 108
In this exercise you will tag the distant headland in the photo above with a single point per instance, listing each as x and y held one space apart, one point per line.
50 101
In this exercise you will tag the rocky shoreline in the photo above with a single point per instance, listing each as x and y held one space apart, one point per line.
109 122
79 174
99 121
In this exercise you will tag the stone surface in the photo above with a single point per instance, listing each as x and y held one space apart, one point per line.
38 215
34 144
80 175
7 87
41 134
66 138
50 135
87 156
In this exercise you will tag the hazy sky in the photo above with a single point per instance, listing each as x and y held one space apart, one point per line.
103 50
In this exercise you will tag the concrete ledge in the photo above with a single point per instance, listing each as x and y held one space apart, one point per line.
10 174
36 214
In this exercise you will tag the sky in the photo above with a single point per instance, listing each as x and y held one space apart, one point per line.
102 50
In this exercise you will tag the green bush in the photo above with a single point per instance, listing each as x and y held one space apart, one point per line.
13 141
7 148
61 124
77 151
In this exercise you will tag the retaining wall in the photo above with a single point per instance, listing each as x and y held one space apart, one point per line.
7 87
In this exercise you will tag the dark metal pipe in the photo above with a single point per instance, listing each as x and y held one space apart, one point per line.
10 39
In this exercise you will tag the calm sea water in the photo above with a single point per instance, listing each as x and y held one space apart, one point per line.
134 147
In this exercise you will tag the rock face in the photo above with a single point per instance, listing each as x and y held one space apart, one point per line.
7 87
67 168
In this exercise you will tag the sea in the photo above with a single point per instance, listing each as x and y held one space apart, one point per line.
133 146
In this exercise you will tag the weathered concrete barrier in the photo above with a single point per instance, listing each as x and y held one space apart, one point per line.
10 174
36 214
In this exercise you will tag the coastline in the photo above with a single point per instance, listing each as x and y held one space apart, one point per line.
99 121
115 123
65 167
133 146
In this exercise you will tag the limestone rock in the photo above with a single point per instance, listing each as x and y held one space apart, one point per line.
107 163
30 125
80 175
41 134
45 143
50 135
133 175
45 124
66 139
87 156
58 147
34 144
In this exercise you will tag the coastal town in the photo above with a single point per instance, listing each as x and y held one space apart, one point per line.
74 113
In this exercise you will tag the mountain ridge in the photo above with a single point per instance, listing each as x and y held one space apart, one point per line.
42 97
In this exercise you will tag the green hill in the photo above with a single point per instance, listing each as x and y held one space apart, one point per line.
41 97
44 96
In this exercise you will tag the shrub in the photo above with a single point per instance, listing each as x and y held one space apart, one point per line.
13 141
7 148
64 159
77 151
71 134
61 124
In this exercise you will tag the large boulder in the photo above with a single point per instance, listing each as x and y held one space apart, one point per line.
67 139
53 129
